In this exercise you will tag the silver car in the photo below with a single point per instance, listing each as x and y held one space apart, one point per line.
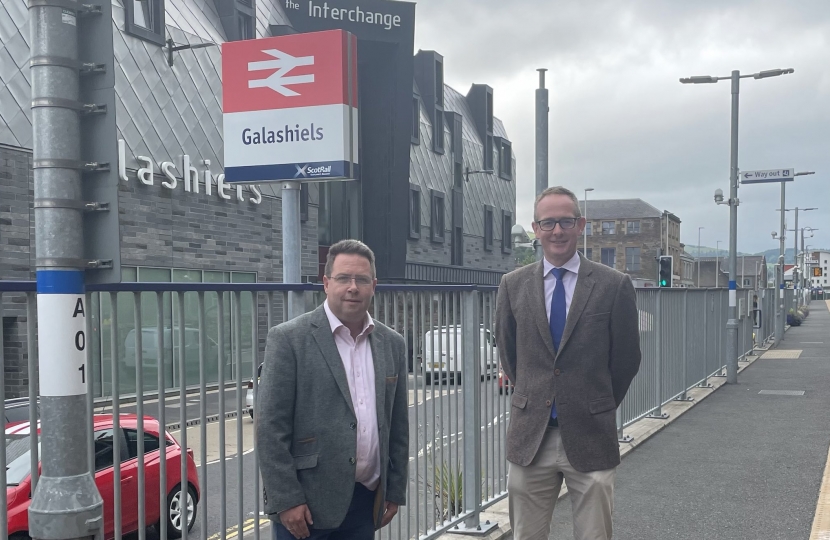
249 397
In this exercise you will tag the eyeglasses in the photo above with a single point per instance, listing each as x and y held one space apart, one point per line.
550 224
346 279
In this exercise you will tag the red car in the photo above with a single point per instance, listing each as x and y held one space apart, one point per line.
505 386
18 478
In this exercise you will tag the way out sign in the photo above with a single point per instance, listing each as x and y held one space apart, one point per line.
772 175
290 108
62 339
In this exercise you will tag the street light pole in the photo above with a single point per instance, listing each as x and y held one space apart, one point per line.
585 231
780 313
698 256
732 323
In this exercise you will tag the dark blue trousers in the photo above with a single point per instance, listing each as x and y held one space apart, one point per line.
359 523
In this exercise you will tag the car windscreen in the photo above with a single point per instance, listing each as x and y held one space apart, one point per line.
17 414
18 462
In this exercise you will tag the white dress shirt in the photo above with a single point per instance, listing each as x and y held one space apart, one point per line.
356 355
568 280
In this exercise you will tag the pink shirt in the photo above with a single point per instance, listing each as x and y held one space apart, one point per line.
356 355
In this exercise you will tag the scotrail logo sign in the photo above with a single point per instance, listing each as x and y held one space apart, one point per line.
290 108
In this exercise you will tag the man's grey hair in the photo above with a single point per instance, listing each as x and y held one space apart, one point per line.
558 190
350 247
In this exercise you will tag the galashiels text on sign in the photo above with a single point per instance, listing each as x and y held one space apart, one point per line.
290 108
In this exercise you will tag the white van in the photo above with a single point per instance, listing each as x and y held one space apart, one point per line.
440 359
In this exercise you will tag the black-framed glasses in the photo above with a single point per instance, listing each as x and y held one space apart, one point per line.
346 279
550 224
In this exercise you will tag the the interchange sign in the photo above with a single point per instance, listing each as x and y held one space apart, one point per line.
290 108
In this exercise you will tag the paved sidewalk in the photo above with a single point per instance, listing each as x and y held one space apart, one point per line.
739 465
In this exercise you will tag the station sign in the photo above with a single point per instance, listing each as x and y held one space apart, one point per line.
290 108
762 177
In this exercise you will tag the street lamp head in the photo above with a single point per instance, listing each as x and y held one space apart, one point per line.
773 73
589 189
519 234
699 79
804 173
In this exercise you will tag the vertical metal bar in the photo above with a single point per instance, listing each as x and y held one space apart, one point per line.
481 387
203 479
254 378
659 348
406 336
139 412
438 405
223 483
4 524
685 324
424 345
460 413
430 417
32 359
162 403
116 415
472 411
183 483
90 398
240 469
705 382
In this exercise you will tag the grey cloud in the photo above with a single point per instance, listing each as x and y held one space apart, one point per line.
623 124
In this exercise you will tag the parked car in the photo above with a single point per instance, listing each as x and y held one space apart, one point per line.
443 348
18 477
249 397
17 410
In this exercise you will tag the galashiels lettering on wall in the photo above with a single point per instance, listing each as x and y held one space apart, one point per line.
263 136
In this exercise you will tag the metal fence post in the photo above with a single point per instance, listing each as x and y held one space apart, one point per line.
685 322
471 376
658 394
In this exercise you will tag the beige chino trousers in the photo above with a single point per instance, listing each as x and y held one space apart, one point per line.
534 490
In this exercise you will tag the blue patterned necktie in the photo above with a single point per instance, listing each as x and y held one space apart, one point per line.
558 315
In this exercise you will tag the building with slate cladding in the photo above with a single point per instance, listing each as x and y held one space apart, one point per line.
440 223
629 235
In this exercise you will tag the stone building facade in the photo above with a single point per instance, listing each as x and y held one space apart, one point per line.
629 235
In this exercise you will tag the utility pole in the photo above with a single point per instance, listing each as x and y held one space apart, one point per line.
780 313
542 113
65 501
732 322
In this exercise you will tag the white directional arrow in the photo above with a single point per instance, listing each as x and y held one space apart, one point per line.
284 63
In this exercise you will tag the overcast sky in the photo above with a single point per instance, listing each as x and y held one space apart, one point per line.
621 122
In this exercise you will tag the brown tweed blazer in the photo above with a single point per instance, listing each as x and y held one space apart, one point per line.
589 377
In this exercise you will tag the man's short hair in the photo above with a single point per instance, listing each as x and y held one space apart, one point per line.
558 190
350 247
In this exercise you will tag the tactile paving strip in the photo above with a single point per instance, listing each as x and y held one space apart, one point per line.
821 521
782 354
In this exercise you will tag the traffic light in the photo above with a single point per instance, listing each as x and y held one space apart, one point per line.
664 271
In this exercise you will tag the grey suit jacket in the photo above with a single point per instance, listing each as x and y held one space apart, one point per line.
598 357
306 436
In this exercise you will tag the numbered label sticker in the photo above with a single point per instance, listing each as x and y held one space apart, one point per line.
62 343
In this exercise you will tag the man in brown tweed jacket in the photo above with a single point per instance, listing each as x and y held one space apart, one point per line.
568 339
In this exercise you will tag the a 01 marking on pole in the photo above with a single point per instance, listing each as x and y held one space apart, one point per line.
62 344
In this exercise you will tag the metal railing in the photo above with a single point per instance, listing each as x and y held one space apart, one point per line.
201 344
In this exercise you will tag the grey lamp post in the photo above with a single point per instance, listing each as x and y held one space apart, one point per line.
732 323
698 256
797 277
585 231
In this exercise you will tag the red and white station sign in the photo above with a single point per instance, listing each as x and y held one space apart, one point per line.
290 107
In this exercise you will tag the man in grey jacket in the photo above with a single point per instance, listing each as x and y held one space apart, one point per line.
332 422
568 337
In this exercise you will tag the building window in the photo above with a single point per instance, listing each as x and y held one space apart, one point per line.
632 259
747 282
246 26
414 211
416 119
608 257
607 227
488 227
144 19
488 153
303 202
506 229
436 219
588 228
587 253
633 227
438 132
506 160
